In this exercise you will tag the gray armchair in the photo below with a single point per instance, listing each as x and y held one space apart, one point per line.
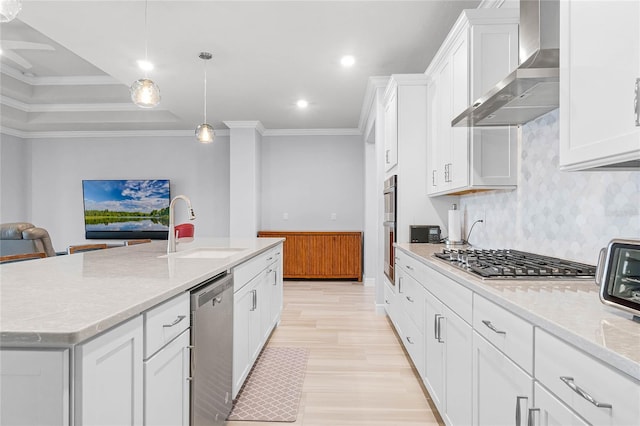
23 237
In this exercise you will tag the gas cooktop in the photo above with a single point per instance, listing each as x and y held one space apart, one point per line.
514 264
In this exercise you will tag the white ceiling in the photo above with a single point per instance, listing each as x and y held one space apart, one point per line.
266 55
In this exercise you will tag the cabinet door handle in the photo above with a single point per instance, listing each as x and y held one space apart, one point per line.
437 326
531 416
254 300
409 340
433 178
386 156
400 285
275 277
577 389
636 102
176 321
518 409
492 327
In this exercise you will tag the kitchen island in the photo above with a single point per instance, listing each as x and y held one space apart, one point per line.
546 350
55 313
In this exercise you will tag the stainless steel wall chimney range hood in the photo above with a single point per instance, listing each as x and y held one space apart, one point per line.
532 89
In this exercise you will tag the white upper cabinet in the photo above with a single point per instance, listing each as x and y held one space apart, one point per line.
480 50
599 72
391 129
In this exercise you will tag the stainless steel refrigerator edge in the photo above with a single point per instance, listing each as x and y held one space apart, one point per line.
212 351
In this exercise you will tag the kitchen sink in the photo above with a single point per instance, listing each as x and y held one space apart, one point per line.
206 253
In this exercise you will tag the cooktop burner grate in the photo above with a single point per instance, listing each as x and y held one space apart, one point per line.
513 264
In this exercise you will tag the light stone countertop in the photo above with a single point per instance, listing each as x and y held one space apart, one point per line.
61 301
569 309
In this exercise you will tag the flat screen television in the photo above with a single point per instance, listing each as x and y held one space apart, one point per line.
126 209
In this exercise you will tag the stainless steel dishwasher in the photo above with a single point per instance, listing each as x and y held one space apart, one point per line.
212 350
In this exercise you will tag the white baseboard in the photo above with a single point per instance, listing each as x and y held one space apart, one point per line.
369 282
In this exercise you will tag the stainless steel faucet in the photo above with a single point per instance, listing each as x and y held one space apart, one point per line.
171 246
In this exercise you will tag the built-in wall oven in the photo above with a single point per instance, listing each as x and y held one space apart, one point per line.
390 202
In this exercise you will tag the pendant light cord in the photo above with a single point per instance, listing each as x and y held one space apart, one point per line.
146 36
205 91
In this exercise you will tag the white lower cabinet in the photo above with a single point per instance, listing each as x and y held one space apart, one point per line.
502 391
550 411
257 296
35 387
109 377
166 385
448 340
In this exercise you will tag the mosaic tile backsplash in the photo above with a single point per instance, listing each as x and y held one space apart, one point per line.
570 215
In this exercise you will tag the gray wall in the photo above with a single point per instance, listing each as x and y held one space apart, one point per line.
309 178
14 179
58 166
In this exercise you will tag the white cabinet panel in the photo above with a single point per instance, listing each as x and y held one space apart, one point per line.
391 130
502 392
480 50
575 378
35 387
599 70
109 377
549 411
166 395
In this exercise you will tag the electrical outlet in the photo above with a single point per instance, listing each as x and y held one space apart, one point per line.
334 216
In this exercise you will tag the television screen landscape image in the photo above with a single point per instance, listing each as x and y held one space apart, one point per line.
126 209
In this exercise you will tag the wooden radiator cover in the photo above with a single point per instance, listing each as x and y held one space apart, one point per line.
336 255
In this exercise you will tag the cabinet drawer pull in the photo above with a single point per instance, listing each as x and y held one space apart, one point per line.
492 327
409 267
177 320
531 417
518 409
269 259
409 340
410 299
577 389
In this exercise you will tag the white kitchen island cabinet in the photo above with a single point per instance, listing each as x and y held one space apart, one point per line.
257 306
107 340
109 377
599 99
480 50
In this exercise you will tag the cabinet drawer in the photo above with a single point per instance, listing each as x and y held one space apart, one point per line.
164 322
410 265
574 377
508 332
244 272
411 295
413 341
452 294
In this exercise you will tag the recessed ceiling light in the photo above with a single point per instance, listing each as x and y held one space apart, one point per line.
347 61
145 65
302 103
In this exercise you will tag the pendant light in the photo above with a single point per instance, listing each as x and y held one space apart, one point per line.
144 92
9 9
204 132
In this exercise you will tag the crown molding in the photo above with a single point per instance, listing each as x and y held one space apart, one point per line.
312 132
169 133
257 125
103 107
79 80
373 84
105 133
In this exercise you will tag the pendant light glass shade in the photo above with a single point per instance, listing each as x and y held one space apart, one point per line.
9 9
204 132
145 93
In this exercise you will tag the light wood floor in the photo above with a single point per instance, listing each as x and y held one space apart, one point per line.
357 373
